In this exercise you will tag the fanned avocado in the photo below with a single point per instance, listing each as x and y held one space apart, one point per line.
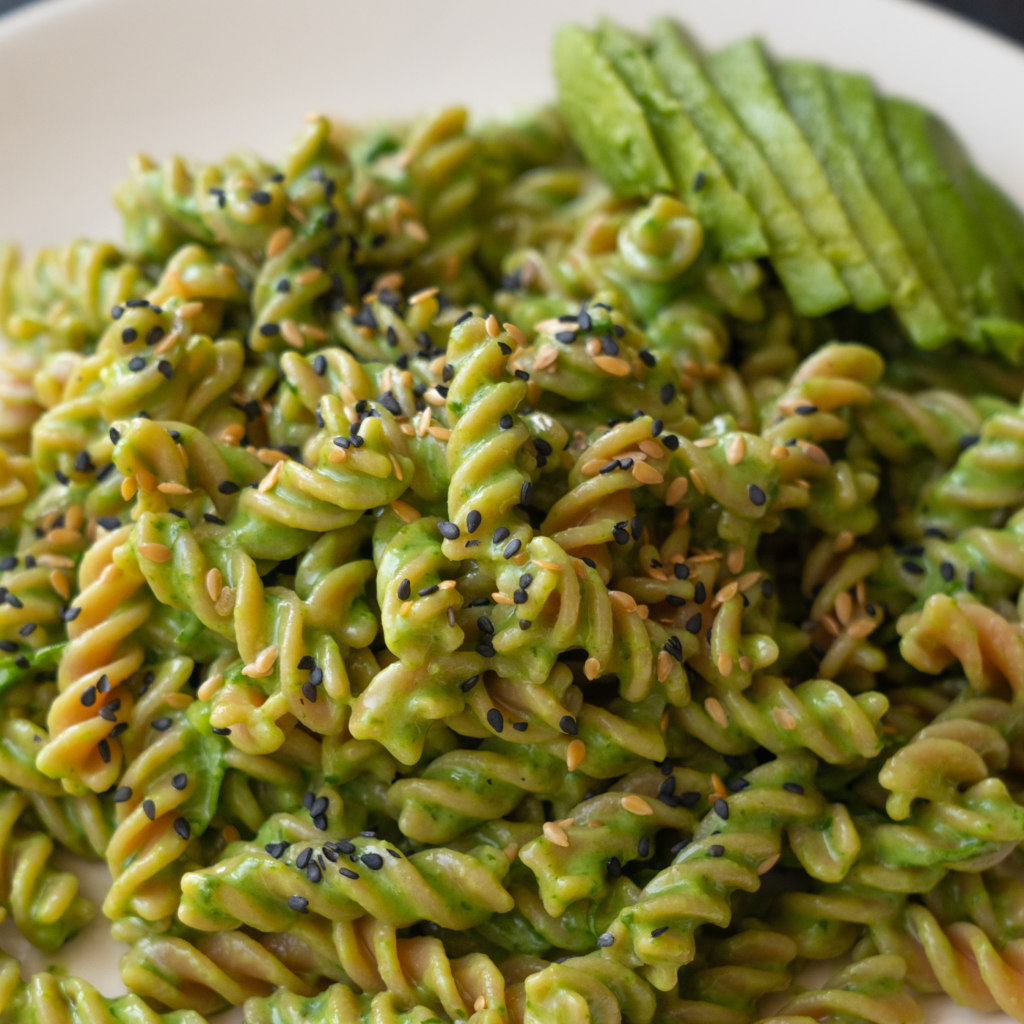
805 89
743 76
969 255
813 284
728 221
857 105
604 119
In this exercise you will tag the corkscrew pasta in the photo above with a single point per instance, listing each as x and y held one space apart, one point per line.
444 573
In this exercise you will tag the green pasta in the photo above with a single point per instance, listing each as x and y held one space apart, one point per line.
444 584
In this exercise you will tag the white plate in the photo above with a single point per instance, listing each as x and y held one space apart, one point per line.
84 83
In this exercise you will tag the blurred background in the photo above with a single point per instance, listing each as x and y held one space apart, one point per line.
1006 16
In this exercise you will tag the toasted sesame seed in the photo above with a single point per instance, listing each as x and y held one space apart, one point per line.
716 712
575 752
555 834
155 552
636 804
784 719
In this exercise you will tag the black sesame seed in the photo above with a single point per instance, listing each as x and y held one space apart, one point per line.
913 568
716 850
182 828
613 867
643 848
448 530
128 335
756 495
211 518
427 591
700 594
793 787
374 861
500 534
606 939
693 625
150 809
526 493
568 725
228 487
299 904
468 685
122 794
721 808
668 392
494 720
512 548
947 571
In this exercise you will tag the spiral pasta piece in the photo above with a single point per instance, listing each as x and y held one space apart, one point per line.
606 828
870 990
836 496
44 903
44 996
401 701
816 715
101 656
983 480
206 973
728 852
261 884
958 628
728 985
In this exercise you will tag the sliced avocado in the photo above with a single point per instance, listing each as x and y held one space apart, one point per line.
743 76
726 216
968 254
813 284
1002 319
1003 220
804 87
604 120
858 109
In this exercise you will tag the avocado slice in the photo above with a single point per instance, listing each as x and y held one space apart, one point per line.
804 87
1002 219
603 118
743 76
813 284
1002 312
858 108
728 221
967 253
